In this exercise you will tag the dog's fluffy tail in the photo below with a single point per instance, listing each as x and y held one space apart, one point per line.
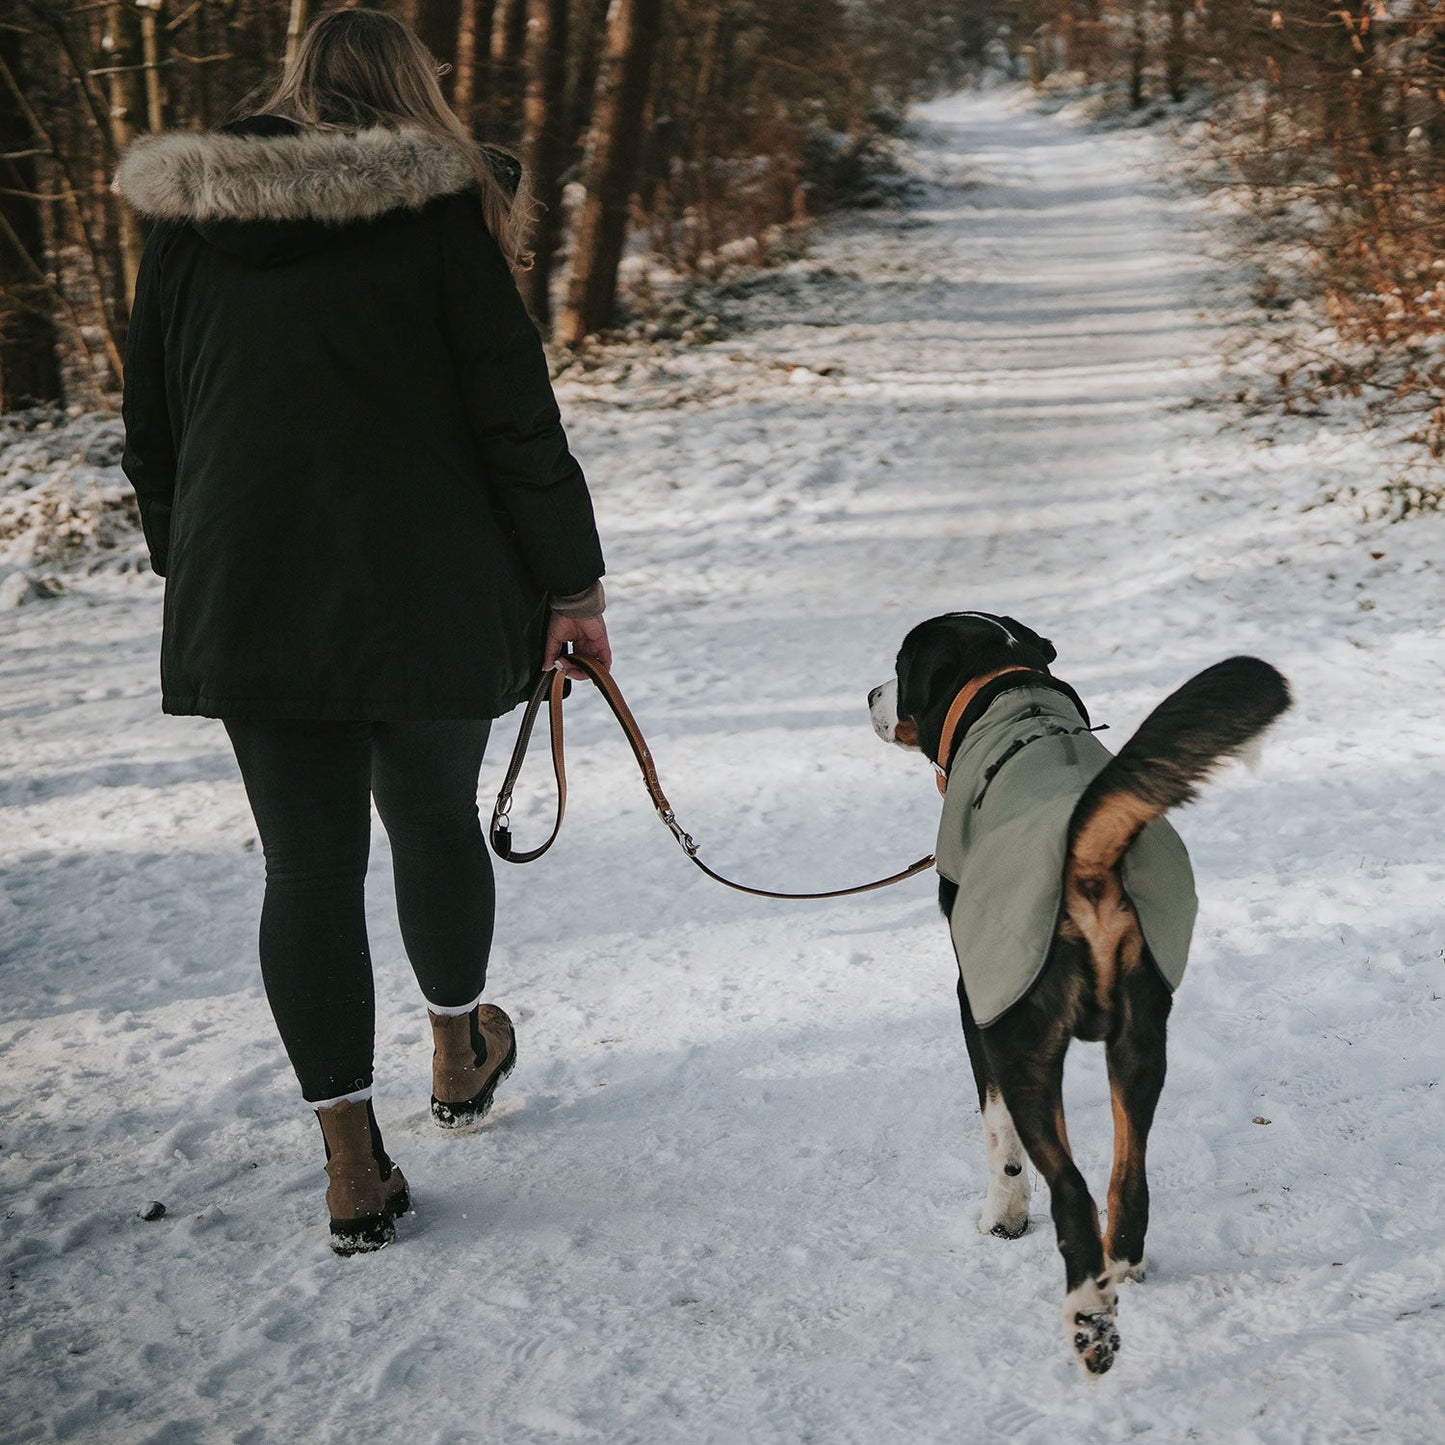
1214 716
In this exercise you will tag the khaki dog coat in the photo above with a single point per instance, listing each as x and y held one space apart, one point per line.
1012 788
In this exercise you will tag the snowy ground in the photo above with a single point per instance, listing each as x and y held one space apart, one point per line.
729 1193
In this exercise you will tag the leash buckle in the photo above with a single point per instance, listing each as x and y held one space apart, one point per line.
684 840
502 827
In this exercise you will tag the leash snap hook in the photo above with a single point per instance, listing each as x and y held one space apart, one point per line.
684 840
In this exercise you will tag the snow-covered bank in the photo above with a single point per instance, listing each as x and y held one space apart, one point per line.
729 1192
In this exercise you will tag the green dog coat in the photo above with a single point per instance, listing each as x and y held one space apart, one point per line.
1012 788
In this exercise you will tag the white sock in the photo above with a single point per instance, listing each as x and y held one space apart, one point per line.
360 1096
454 1013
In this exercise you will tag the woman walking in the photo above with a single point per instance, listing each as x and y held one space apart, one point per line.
353 476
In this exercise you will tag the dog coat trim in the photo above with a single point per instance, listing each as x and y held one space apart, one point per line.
1013 786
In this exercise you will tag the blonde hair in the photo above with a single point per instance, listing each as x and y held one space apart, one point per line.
359 68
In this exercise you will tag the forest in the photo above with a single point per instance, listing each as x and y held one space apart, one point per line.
708 132
692 126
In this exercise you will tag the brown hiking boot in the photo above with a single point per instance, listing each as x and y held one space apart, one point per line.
473 1053
367 1191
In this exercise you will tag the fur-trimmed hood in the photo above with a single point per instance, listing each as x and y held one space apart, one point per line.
270 169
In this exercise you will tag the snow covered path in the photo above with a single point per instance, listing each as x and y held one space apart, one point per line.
729 1193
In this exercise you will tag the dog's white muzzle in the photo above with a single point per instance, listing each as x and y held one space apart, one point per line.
883 709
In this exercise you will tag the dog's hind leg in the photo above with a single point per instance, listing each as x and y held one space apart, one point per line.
1005 1210
1135 1052
983 1079
1033 1091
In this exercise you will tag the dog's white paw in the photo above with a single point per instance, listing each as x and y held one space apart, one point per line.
1005 1211
1090 1324
1001 1225
1120 1270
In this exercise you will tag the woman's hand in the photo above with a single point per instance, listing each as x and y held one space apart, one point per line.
586 634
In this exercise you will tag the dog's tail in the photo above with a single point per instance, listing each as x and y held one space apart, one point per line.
1214 716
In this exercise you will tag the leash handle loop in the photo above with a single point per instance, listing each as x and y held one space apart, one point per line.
547 691
550 689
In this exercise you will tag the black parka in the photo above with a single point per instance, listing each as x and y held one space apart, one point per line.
340 428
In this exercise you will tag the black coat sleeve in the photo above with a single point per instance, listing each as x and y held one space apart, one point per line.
502 372
149 459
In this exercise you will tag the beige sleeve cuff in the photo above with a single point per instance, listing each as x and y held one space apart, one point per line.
590 603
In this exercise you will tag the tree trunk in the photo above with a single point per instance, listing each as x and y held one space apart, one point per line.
1433 65
122 56
1083 22
205 105
611 167
1035 64
587 23
1137 53
28 363
1371 125
545 141
437 22
72 257
1176 50
152 52
296 26
474 21
702 157
505 77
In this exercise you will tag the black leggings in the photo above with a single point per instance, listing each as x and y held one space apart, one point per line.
310 786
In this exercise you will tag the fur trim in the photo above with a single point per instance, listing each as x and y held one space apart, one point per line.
319 175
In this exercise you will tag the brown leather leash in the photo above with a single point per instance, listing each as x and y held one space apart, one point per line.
551 688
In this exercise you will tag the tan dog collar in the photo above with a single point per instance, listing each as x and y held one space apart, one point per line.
956 710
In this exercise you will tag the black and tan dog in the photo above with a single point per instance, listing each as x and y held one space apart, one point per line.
1071 905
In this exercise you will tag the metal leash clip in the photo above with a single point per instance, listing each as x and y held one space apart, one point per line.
684 840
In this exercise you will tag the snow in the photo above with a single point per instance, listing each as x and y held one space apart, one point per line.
730 1192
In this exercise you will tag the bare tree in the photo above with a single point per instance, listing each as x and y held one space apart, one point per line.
120 46
1176 49
474 28
300 17
153 61
611 168
545 142
28 365
505 78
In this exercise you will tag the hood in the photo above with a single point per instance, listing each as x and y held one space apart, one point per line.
267 190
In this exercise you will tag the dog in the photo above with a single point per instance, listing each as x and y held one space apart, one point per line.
1071 904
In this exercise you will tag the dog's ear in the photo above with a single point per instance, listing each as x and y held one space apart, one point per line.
1029 638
